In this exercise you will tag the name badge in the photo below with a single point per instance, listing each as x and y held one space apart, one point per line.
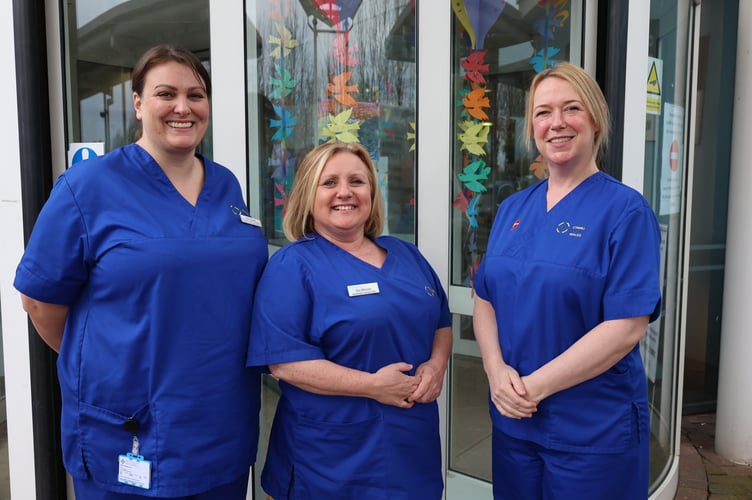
133 470
247 219
362 289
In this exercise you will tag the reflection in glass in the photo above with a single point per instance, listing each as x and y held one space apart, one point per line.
666 123
712 158
470 435
103 43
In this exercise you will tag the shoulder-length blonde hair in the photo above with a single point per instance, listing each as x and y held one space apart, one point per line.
298 219
590 93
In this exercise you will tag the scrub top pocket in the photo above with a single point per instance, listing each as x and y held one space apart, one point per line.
339 460
593 425
104 437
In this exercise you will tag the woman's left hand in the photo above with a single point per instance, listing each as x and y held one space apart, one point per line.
431 373
431 377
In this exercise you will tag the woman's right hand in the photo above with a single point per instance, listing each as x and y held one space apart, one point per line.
508 392
392 386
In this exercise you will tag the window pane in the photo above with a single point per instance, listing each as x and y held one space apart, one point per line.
470 431
497 49
344 71
103 42
666 122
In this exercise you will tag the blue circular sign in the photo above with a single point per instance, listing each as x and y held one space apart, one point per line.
83 154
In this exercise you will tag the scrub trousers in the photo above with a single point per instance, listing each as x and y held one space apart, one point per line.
236 490
523 470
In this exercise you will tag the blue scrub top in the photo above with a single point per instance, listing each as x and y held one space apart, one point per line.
552 277
160 296
338 446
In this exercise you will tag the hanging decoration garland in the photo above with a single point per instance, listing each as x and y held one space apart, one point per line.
553 17
339 123
282 85
477 17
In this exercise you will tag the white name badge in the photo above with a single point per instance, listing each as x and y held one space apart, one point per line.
362 289
133 470
247 219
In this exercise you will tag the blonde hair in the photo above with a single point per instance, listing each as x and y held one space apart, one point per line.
298 219
590 93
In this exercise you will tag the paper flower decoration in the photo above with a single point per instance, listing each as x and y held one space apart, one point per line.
340 90
411 136
284 124
282 86
474 173
339 128
474 137
284 42
474 66
474 102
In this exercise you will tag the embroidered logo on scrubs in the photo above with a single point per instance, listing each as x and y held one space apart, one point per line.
516 224
574 230
430 291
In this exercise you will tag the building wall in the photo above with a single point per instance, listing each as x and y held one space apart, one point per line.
14 323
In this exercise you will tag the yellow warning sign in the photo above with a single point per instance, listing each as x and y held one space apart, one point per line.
655 74
654 84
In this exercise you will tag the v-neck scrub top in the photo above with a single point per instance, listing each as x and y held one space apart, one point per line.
553 276
340 446
160 295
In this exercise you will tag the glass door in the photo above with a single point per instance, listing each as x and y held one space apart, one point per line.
667 168
496 50
102 43
712 159
320 72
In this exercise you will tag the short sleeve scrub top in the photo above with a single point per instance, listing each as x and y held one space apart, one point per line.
553 276
317 301
160 295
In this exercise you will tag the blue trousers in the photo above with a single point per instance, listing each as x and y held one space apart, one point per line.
523 470
88 490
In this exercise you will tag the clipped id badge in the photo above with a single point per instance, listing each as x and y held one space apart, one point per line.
133 470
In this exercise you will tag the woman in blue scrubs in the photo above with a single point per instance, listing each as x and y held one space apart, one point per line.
140 271
564 293
356 327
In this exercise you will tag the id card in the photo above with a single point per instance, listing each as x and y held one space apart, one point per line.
133 470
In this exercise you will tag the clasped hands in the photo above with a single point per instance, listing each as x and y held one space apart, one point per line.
394 387
512 395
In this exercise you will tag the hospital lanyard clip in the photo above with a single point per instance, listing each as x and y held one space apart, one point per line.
245 217
133 470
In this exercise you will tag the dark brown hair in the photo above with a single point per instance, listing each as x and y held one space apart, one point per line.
161 54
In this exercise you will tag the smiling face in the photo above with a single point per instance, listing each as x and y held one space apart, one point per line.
173 108
563 130
343 198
